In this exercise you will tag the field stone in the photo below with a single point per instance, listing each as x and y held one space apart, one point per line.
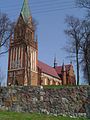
73 101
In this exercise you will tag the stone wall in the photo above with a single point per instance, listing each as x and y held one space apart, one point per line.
72 101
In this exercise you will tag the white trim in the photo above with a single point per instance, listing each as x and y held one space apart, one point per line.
45 81
35 61
55 79
21 56
31 60
16 57
34 71
51 82
16 69
27 56
11 59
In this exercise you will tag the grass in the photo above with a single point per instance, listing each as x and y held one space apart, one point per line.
58 86
63 86
33 116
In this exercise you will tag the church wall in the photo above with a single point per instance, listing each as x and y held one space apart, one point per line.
34 78
16 77
71 77
49 80
16 65
64 78
71 72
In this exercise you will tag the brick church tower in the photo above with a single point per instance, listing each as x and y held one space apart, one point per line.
23 52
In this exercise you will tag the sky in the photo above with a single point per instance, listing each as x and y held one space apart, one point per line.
50 16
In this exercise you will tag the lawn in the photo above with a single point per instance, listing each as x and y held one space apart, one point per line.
33 116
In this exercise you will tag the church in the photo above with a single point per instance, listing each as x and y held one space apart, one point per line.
24 68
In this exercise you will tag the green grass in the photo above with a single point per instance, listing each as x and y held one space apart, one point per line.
58 86
63 86
33 116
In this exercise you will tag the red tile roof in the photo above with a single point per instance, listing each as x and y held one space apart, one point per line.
47 69
59 68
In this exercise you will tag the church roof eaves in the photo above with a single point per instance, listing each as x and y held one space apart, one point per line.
47 69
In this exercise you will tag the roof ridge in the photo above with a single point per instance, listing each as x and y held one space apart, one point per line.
46 64
47 69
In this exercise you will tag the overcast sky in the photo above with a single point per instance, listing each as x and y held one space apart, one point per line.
50 15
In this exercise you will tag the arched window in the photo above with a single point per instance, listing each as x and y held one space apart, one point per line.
48 81
45 81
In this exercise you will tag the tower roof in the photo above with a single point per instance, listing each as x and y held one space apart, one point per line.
25 11
63 67
55 61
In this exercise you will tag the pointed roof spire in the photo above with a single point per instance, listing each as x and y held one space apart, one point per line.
55 61
25 11
63 67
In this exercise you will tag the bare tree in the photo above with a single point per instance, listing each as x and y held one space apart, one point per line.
85 47
74 32
6 29
79 33
86 38
83 3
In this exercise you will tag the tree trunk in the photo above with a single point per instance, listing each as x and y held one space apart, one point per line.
77 62
88 72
